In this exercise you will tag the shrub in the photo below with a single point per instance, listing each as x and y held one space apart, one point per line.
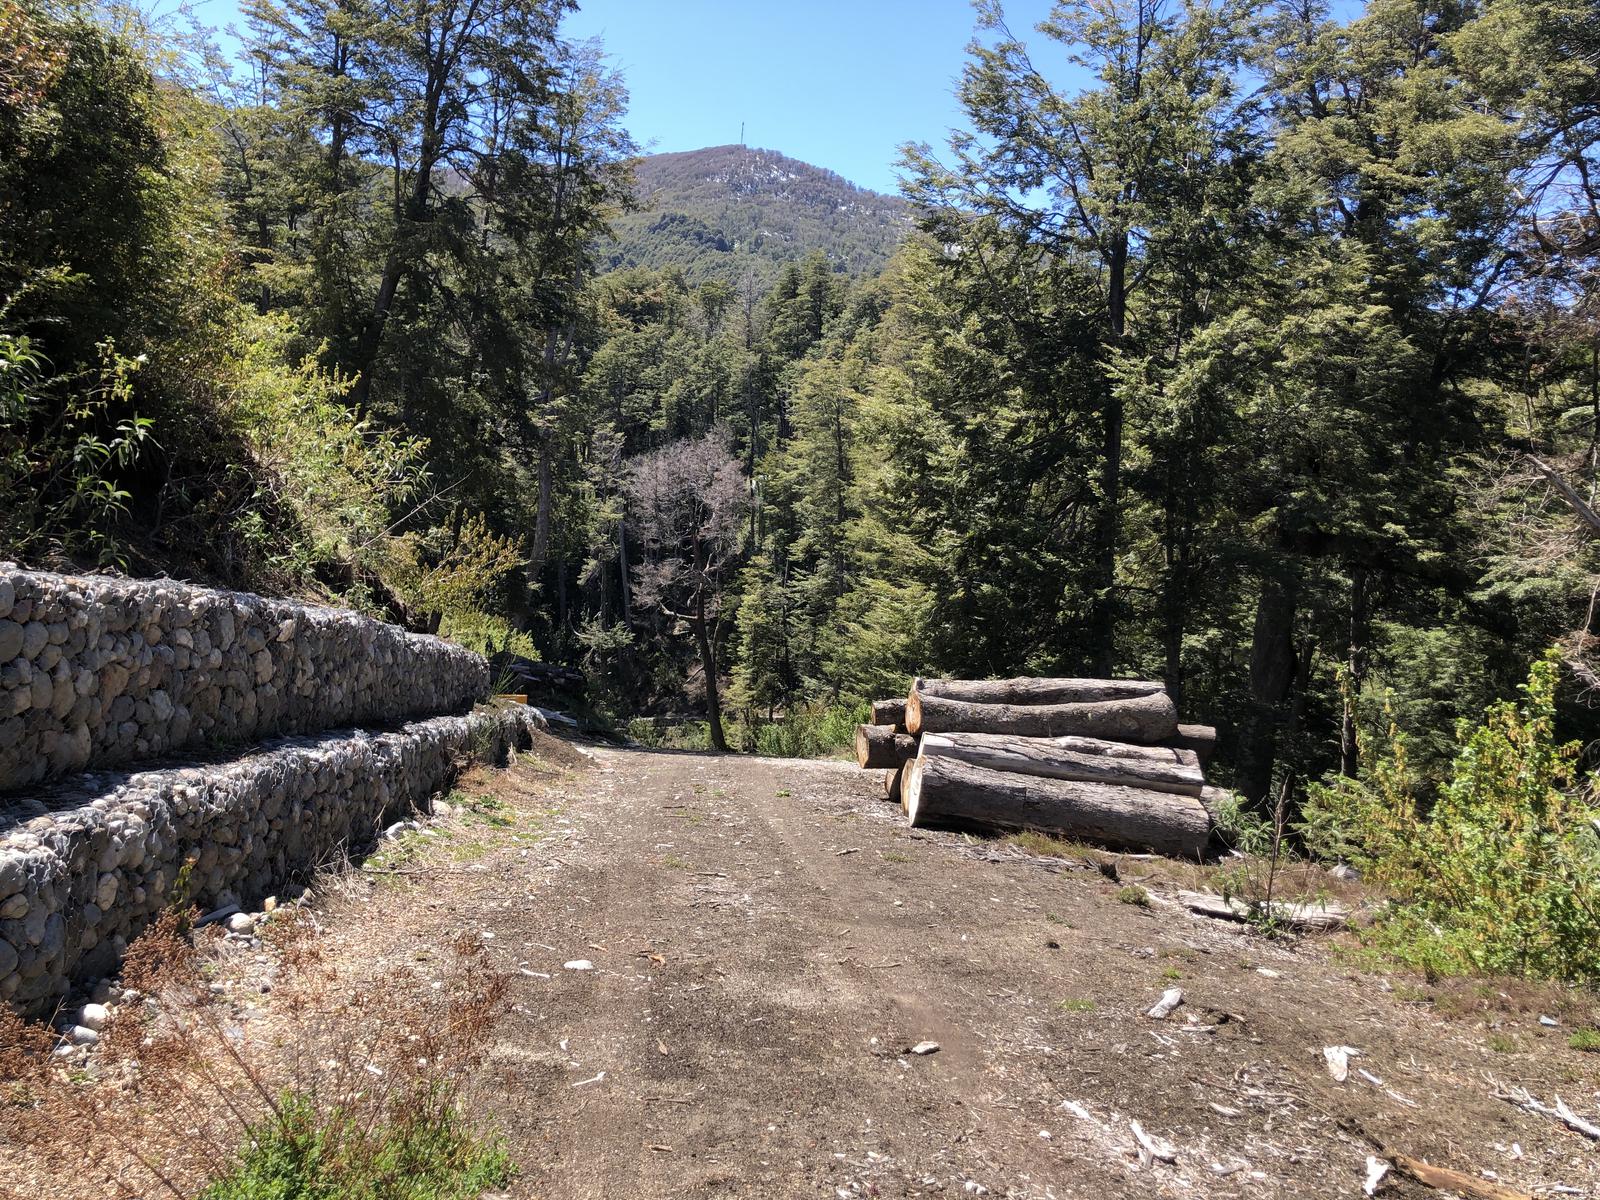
64 442
1587 1040
811 731
316 1101
421 1151
1502 873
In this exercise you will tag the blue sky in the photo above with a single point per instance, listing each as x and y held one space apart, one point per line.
837 83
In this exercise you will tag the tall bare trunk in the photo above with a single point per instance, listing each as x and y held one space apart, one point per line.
1104 615
1355 673
541 521
1272 663
708 660
622 566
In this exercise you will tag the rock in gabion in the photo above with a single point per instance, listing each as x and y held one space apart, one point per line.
99 671
84 866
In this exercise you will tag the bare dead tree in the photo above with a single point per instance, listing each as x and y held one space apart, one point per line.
686 505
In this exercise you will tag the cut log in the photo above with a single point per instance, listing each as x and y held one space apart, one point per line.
1158 753
1159 768
1035 691
1202 739
891 785
941 790
890 712
1212 799
1143 719
881 746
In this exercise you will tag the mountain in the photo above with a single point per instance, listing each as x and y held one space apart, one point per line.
728 211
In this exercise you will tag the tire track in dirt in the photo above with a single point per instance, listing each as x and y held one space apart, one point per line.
775 928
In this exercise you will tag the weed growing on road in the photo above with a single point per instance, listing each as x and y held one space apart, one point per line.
423 1153
1135 895
1046 846
489 810
1076 1006
310 1099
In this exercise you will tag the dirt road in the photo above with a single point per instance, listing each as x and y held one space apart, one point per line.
769 941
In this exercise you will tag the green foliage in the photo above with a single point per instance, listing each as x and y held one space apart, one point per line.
685 735
337 477
63 452
1215 363
1587 1040
1134 895
1502 872
810 731
423 1151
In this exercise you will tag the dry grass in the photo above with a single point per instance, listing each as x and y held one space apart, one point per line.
178 1090
1046 846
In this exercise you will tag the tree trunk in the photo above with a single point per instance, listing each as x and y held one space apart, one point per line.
881 746
1035 691
708 660
890 712
1109 525
1355 674
1272 661
1163 770
541 519
944 790
622 566
1144 719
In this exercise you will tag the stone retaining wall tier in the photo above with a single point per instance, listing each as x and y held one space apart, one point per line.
86 865
97 671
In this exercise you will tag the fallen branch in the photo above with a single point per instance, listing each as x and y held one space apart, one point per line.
1577 503
1152 1147
1443 1178
1524 1099
1327 917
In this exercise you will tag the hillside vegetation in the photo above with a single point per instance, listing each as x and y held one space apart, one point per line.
1265 364
733 213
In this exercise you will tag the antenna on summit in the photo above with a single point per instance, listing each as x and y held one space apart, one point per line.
741 133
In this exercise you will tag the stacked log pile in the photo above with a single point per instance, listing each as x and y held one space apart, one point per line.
1099 760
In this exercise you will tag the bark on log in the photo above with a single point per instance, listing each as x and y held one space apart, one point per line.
890 712
940 790
881 746
891 785
1035 691
1212 799
1143 719
1202 739
1161 769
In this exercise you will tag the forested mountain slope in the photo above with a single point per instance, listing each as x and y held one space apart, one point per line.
1276 383
731 212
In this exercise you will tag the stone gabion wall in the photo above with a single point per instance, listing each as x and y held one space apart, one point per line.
85 866
99 671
